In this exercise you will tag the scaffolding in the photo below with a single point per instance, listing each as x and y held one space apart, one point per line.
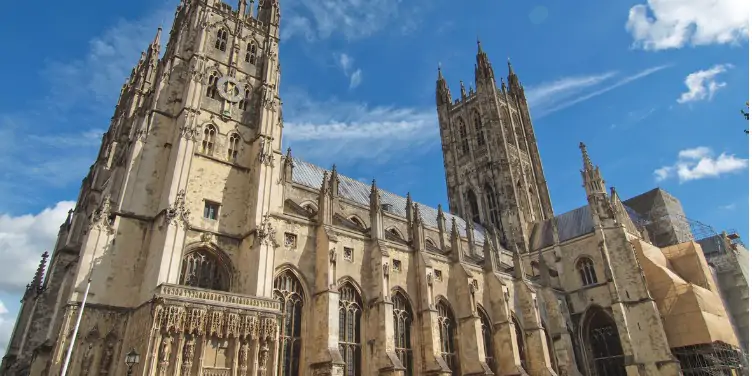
713 359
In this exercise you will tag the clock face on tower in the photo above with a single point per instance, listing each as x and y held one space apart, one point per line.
229 89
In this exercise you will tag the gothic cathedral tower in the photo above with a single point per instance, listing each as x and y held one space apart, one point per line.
493 169
177 201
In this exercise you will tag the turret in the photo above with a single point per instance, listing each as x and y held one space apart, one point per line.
269 13
514 83
443 95
595 188
441 223
287 167
483 71
377 218
325 201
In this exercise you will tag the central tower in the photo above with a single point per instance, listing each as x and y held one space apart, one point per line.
493 169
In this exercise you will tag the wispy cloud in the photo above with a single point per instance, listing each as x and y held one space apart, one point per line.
351 19
728 207
349 132
700 163
702 85
346 63
548 98
667 24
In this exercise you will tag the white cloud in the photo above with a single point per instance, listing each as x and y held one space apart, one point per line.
23 239
547 98
667 24
353 19
700 163
731 206
346 132
702 85
347 63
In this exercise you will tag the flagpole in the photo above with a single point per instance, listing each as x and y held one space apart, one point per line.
78 323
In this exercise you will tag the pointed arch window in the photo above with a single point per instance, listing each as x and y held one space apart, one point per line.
289 292
233 147
587 271
464 142
207 144
479 136
447 335
350 309
211 85
487 332
357 222
604 345
250 53
220 42
245 102
472 203
493 208
403 321
204 270
520 342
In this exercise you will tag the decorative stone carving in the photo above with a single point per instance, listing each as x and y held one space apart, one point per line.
188 352
263 357
177 214
333 255
164 355
87 358
243 358
266 156
429 278
189 132
265 232
101 218
207 237
106 362
385 269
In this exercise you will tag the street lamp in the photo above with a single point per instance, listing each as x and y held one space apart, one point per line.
131 359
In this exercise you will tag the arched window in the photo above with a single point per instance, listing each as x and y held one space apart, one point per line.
464 143
357 222
479 136
245 102
221 42
211 86
232 147
487 332
603 344
250 53
520 342
207 144
472 203
587 271
447 337
203 269
289 292
403 321
493 208
394 234
534 268
350 308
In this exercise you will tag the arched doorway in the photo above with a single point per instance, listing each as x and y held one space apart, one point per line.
602 344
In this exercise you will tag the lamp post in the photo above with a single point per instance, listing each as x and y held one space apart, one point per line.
131 359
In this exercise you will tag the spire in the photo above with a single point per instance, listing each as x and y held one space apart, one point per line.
455 242
39 275
519 269
334 181
409 210
463 92
157 37
586 162
441 224
287 166
514 83
375 199
443 95
483 69
377 222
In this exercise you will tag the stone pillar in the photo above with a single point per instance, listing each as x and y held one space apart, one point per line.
536 345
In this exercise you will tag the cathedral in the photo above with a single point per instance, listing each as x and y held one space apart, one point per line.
199 247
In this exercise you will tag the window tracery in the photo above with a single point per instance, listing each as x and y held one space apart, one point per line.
587 271
350 308
487 332
289 291
403 316
464 142
493 208
220 42
447 337
207 144
233 147
250 53
211 85
602 336
480 137
472 201
245 102
203 269
520 342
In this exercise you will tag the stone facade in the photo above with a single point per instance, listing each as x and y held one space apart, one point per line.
199 244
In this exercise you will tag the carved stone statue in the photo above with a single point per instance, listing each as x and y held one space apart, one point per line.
106 362
87 358
263 356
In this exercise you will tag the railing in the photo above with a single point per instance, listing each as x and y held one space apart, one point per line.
216 372
212 297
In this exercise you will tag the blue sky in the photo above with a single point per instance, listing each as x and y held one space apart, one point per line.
654 93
